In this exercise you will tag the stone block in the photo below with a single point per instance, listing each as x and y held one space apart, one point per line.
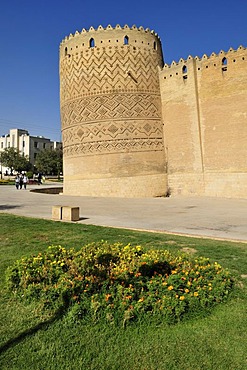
70 213
56 212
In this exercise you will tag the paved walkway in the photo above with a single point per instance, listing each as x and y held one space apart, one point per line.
196 216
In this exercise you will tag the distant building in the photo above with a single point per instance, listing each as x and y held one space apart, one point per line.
28 145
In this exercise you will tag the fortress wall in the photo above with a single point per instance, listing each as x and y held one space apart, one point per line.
205 126
111 113
222 90
182 127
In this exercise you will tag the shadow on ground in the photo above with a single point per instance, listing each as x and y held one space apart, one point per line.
7 206
31 331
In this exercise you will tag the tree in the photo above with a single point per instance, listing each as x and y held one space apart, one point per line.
15 160
50 162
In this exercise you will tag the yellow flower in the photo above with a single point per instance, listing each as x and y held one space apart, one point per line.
170 287
196 294
186 290
182 298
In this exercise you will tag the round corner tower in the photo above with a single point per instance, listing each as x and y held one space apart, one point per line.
111 113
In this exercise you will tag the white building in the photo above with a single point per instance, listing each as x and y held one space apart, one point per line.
28 145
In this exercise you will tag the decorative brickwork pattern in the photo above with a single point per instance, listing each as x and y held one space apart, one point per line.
110 106
104 107
116 136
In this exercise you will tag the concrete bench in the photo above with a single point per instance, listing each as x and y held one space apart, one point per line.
65 213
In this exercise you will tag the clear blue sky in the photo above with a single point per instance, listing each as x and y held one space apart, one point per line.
31 31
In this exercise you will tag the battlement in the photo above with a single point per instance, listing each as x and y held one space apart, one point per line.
205 58
100 28
110 37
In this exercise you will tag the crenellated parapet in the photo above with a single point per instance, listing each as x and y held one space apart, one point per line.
101 35
222 62
93 41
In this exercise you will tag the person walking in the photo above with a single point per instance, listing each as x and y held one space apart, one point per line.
21 181
25 181
39 178
17 181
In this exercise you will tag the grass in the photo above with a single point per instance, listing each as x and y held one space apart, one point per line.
30 340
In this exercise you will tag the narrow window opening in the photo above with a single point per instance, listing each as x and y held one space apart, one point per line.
65 51
224 61
155 45
224 64
184 69
91 43
126 40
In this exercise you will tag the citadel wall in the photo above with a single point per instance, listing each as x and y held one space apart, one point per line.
204 105
111 113
134 127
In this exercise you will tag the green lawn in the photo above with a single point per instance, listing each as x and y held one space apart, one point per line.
31 340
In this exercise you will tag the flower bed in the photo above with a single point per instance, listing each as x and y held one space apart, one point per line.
120 283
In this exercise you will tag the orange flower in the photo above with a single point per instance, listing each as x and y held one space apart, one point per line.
107 296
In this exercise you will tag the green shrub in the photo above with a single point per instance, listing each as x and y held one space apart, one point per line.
29 174
120 283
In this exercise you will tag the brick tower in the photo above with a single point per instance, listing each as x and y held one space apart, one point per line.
111 113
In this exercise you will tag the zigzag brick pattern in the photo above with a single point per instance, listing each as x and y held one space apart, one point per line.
101 85
110 109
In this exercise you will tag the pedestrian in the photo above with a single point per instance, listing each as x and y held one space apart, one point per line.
17 181
21 181
39 178
25 181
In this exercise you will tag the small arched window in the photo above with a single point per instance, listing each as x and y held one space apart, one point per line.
224 61
224 64
91 43
184 69
126 40
155 45
65 51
